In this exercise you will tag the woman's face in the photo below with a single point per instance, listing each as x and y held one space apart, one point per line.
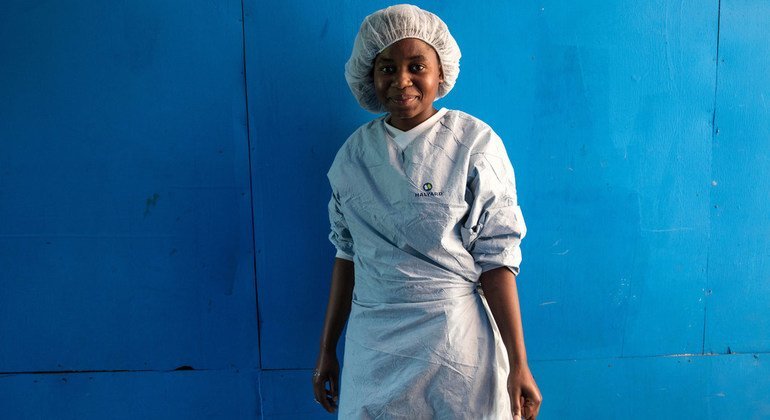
406 79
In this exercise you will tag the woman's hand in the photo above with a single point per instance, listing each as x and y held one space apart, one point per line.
502 295
524 393
326 381
327 369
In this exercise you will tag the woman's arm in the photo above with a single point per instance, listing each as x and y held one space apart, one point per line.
327 368
499 287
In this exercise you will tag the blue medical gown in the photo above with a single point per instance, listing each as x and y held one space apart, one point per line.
422 224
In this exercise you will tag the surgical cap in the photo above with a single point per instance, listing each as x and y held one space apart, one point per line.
385 27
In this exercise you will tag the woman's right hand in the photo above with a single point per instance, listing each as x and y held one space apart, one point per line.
327 369
326 380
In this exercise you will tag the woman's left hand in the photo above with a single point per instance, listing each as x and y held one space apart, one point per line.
524 393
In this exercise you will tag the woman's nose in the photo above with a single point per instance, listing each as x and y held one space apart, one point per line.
402 79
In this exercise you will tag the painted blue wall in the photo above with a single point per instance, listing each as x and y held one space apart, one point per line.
126 245
144 176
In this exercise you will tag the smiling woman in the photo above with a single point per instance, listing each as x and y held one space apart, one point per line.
424 217
407 75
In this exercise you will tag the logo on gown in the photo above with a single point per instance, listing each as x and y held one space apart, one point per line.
428 188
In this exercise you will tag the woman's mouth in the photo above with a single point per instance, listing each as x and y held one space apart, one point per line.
403 99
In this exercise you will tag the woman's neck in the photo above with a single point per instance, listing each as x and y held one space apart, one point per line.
408 123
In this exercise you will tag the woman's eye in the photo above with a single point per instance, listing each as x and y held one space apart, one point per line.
387 69
418 67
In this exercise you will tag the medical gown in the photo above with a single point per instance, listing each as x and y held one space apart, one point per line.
421 224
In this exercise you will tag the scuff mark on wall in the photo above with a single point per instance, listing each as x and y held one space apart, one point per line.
150 203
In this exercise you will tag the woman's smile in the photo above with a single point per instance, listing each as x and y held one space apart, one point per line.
403 100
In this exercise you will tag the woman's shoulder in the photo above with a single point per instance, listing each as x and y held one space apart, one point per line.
364 133
357 144
470 130
465 120
361 135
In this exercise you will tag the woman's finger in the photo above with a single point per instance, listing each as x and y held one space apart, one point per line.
325 400
515 402
319 391
531 405
536 409
526 408
335 391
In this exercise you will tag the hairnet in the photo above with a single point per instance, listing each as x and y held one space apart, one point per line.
383 28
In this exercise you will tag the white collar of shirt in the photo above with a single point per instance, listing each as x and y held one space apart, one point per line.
403 138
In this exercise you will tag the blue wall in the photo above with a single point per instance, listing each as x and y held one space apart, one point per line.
126 245
153 196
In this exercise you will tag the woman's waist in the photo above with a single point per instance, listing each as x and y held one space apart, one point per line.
453 331
395 290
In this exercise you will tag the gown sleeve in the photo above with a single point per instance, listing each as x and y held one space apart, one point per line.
494 227
340 234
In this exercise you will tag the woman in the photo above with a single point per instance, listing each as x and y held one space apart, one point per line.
424 217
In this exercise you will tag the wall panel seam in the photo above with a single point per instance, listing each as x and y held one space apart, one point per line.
714 133
251 182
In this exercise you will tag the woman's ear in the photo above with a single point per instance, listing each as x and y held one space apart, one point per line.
441 74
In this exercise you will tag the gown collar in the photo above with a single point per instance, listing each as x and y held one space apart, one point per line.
404 138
